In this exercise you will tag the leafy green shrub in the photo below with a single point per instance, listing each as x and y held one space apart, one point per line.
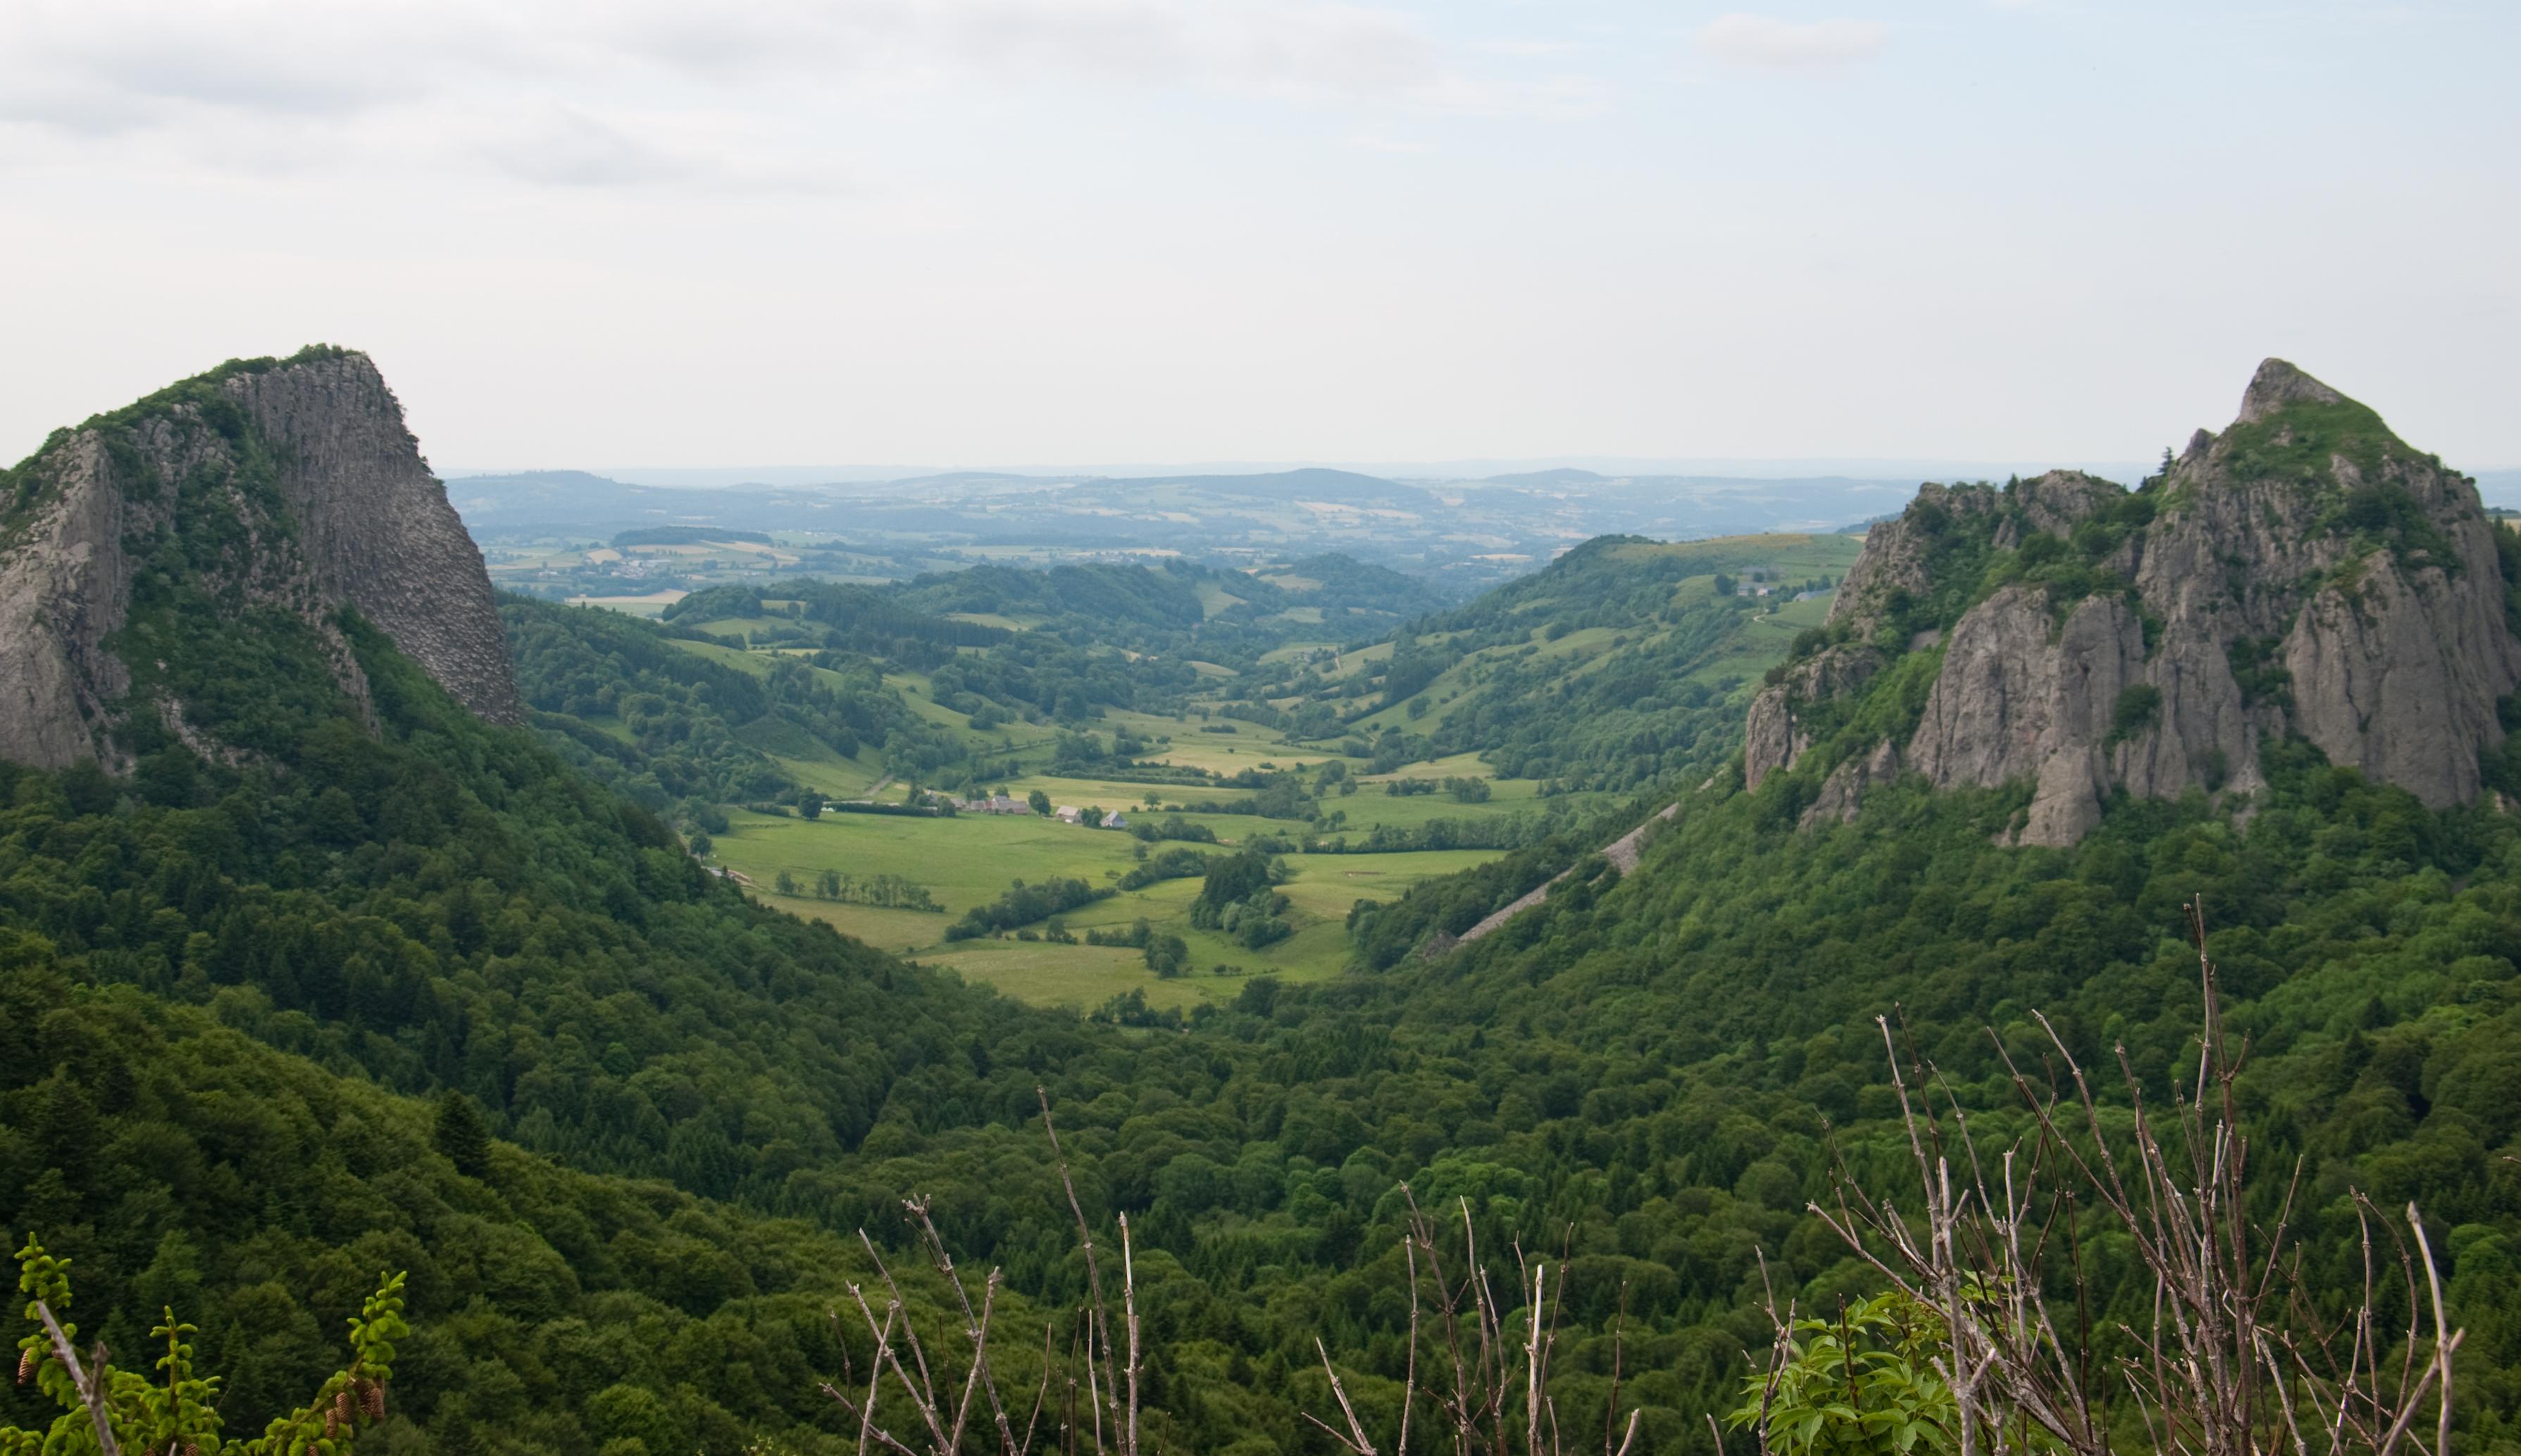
1862 1385
180 1411
2138 705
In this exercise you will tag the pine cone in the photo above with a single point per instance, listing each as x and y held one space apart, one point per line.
191 1450
375 1395
341 1405
27 1365
332 1425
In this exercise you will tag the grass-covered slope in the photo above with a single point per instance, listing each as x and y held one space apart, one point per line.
670 721
1620 665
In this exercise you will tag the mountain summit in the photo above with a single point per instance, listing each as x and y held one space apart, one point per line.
279 497
2306 574
2277 386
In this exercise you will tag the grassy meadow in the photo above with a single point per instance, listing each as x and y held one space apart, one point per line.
970 860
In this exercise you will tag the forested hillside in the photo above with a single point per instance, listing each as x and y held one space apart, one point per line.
1652 1065
329 985
1619 666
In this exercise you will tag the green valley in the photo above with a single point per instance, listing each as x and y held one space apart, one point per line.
1362 775
335 946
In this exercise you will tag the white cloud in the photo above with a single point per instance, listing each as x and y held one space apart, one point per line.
333 57
553 145
1395 146
1528 47
541 91
1772 44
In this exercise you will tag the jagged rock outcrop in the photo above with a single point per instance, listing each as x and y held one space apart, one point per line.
2303 573
318 498
1899 555
1775 734
1842 794
1896 567
2020 699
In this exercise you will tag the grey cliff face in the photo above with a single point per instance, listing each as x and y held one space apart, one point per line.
2013 702
1775 736
377 528
2304 574
364 524
63 583
1896 562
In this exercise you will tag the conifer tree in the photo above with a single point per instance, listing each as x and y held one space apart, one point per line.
460 1135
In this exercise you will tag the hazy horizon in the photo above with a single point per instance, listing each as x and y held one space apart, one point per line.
1453 471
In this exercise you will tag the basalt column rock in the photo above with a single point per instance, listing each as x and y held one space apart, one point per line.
377 528
306 472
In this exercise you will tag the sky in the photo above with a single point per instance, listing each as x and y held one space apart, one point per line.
974 233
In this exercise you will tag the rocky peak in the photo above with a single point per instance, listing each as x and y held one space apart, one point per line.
1899 553
2061 500
2277 384
2304 575
283 489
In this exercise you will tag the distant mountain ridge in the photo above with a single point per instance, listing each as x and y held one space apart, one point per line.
1471 531
2304 575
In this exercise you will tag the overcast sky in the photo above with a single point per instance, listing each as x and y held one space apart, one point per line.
975 232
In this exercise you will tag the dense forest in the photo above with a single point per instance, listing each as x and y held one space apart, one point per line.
1654 1072
398 990
658 711
1230 615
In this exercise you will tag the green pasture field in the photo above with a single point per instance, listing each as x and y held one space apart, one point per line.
1329 885
1294 650
971 859
1370 805
610 725
1119 794
1214 598
1459 767
731 657
651 606
1083 977
921 695
1789 553
1762 644
832 776
966 860
1249 746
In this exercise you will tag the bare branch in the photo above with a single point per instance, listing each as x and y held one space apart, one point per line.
1102 1339
1357 1440
88 1380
